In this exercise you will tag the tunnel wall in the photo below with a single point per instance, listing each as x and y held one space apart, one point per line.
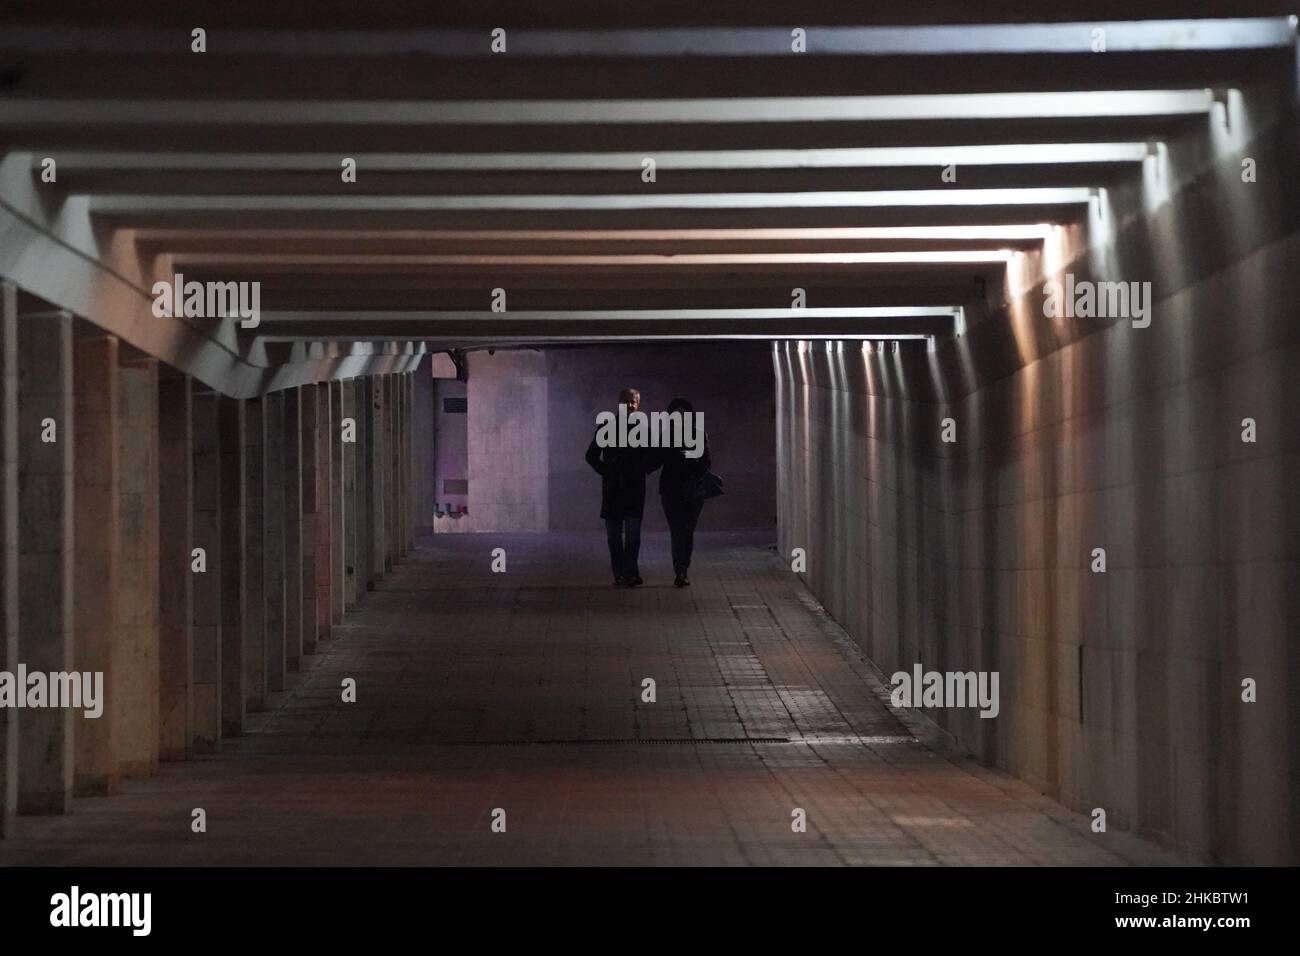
1119 690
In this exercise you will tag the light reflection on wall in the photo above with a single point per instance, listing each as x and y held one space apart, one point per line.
1155 178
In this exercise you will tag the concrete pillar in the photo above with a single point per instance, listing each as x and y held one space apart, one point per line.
391 524
338 502
408 464
136 659
8 546
353 582
399 476
365 506
323 473
384 486
293 592
205 692
398 546
403 506
420 437
375 477
175 580
254 570
310 516
95 562
273 587
45 553
234 580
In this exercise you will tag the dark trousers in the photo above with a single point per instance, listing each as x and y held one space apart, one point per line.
682 517
624 535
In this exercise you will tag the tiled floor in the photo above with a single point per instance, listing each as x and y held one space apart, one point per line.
522 691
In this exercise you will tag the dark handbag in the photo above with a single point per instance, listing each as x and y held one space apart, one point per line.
703 487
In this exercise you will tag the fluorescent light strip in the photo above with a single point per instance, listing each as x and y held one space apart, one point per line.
110 204
770 109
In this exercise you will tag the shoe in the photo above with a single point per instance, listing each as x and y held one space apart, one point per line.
681 581
620 582
635 582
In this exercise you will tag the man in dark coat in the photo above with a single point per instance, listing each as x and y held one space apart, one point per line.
622 497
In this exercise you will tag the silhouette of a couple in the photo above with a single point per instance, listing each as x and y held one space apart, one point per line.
684 484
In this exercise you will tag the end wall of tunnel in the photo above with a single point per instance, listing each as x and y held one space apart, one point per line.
531 415
1120 690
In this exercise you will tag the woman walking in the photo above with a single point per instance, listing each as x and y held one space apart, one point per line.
682 495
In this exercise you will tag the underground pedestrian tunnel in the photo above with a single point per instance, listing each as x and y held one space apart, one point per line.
993 326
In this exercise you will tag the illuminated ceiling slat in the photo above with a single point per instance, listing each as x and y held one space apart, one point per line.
399 260
770 109
617 315
642 337
1011 232
111 204
839 158
1134 36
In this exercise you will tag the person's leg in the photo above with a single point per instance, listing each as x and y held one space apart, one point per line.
632 547
614 536
689 520
673 513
